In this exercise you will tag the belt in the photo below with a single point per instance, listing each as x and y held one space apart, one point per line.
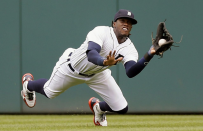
74 70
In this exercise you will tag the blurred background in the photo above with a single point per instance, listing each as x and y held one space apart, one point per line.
35 33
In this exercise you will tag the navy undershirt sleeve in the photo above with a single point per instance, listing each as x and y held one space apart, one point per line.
132 68
93 53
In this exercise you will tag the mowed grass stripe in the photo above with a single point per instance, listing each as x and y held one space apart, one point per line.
115 123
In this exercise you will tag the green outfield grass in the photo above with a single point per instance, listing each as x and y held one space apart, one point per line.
115 123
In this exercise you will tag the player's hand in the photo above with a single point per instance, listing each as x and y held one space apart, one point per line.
152 51
111 59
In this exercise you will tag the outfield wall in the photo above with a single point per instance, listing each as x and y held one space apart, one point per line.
34 33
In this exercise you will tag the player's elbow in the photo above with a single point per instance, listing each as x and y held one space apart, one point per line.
130 75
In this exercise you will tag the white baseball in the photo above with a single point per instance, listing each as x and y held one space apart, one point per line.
161 42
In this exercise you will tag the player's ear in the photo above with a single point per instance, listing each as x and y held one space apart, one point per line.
113 24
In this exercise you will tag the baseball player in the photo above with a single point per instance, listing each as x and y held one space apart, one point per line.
104 47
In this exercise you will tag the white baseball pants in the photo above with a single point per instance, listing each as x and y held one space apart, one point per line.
102 83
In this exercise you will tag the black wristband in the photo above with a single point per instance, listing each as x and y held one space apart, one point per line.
148 57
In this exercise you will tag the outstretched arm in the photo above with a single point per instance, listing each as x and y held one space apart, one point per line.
132 68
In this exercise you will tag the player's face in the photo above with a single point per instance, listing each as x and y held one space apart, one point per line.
122 27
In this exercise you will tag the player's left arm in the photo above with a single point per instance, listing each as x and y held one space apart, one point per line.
132 68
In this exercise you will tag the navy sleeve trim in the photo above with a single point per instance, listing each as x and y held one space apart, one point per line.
93 54
148 57
132 68
93 46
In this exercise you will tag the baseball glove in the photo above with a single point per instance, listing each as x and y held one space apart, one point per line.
162 33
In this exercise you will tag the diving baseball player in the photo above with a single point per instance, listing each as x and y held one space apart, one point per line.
104 47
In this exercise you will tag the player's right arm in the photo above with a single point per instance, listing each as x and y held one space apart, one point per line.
96 38
93 53
111 60
94 57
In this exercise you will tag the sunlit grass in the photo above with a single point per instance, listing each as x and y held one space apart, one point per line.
115 123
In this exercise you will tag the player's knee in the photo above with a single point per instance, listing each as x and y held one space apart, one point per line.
50 96
123 111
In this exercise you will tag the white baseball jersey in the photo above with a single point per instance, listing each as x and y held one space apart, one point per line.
102 82
106 38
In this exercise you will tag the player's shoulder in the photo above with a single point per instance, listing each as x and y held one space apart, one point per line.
129 42
131 45
102 28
